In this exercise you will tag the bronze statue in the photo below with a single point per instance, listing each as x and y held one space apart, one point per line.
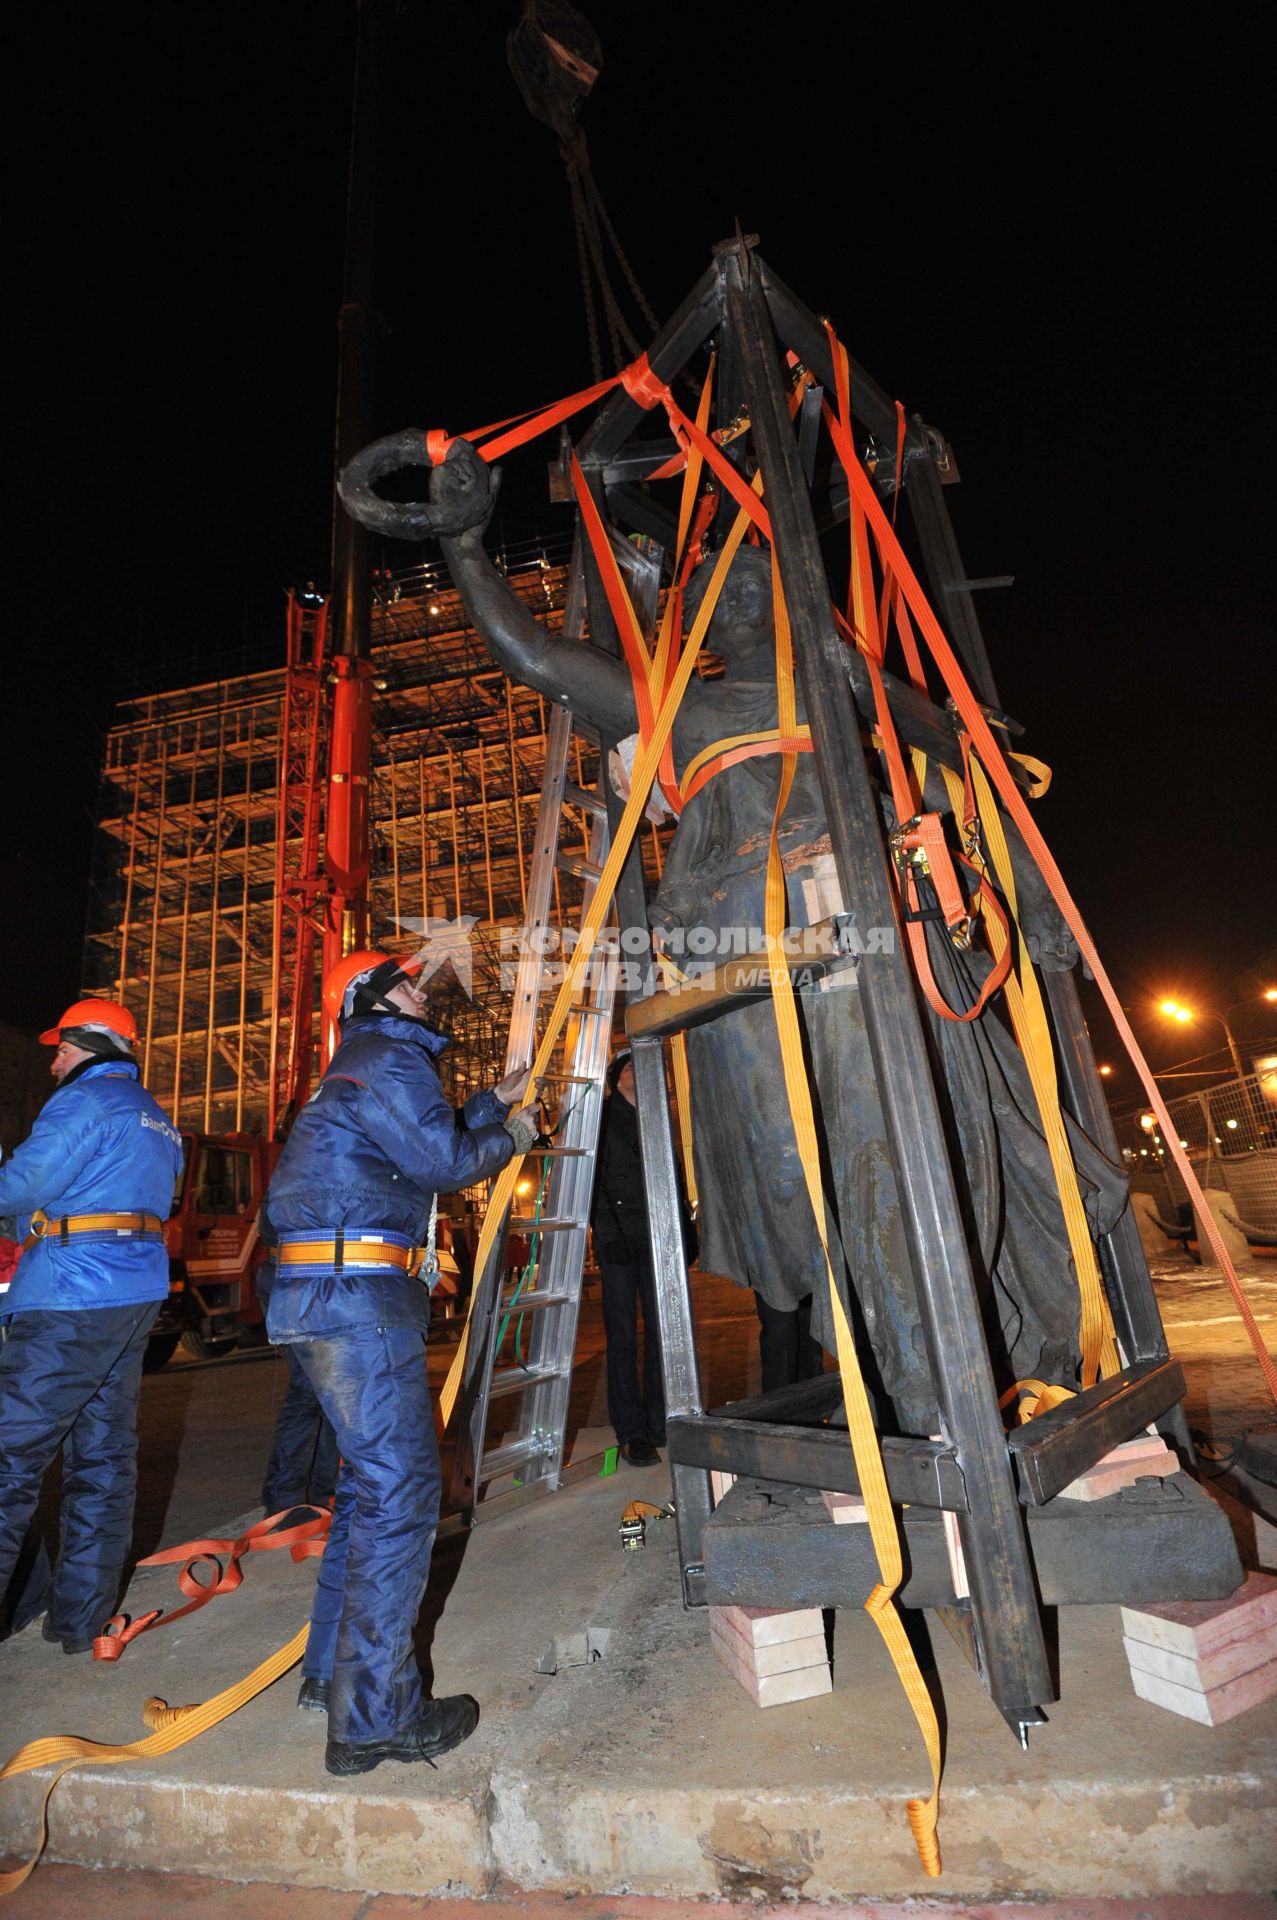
756 1223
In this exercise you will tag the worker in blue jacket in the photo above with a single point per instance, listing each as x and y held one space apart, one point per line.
350 1210
91 1188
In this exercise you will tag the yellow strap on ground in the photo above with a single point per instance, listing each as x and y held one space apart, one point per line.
1032 1031
645 765
864 1441
174 1726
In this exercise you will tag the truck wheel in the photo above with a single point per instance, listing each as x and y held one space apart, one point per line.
207 1346
160 1349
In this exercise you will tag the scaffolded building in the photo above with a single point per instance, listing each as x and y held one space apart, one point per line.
183 923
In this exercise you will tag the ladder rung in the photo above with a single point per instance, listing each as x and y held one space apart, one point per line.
514 1453
577 864
583 1006
559 1153
533 1302
516 1379
569 1079
524 1223
574 796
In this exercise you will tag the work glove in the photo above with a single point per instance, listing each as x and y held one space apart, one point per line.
523 1127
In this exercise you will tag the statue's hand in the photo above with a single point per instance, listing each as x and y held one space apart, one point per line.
1051 943
462 490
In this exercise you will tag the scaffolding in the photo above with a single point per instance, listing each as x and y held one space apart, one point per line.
183 923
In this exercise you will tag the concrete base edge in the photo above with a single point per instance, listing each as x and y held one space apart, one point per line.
1203 1835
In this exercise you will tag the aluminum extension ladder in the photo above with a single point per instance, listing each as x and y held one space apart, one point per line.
546 1308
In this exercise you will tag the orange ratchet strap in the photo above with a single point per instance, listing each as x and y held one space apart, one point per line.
304 1542
994 760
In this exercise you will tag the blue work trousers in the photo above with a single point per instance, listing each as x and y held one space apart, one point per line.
303 1460
71 1380
371 1384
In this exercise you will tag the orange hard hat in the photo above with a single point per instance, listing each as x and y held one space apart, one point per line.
343 973
108 1014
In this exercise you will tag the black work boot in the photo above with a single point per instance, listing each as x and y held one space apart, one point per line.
444 1724
313 1696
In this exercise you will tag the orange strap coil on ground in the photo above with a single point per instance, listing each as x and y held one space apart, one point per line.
304 1542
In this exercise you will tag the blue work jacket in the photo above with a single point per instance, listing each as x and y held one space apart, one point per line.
368 1153
100 1144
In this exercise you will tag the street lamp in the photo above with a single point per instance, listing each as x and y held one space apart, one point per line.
1174 1011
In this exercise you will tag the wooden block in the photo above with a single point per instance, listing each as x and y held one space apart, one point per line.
1199 1627
1213 1669
845 1509
1213 1705
768 1626
719 1483
1134 1460
772 1689
786 1657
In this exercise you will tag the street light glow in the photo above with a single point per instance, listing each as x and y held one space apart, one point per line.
1173 1011
1105 1072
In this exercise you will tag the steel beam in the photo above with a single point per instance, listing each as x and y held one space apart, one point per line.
801 331
1128 1283
920 1473
1008 1626
688 329
802 1404
1122 1259
656 1141
945 572
1055 1448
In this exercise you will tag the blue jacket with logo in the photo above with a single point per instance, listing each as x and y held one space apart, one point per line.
99 1145
369 1151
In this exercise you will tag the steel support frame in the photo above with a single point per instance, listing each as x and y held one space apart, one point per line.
970 1471
1009 1644
691 1483
1122 1260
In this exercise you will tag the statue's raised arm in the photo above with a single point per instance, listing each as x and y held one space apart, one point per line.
595 685
463 490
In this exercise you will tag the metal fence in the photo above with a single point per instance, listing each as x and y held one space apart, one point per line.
1229 1133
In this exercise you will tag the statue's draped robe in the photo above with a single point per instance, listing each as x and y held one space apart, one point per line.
756 1223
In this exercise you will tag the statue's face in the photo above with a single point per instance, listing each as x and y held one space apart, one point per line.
743 615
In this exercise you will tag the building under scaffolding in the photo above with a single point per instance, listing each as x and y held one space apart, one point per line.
182 918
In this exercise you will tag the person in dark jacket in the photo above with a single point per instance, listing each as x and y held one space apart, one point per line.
349 1211
91 1188
618 1218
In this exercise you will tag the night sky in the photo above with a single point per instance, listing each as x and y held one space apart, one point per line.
1053 248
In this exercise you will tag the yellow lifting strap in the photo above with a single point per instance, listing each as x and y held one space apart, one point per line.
1032 1032
646 762
174 1726
880 1605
